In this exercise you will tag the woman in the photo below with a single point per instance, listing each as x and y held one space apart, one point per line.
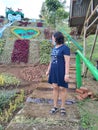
58 71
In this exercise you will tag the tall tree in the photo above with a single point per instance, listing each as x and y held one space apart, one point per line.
54 11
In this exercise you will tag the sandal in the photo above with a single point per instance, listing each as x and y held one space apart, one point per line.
54 110
62 111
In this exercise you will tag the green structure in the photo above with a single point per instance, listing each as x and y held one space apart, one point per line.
14 13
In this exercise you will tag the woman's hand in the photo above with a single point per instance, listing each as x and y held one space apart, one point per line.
66 78
47 73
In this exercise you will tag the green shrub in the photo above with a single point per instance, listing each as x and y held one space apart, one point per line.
10 106
45 50
5 97
8 79
2 43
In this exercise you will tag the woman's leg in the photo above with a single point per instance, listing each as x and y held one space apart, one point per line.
55 94
63 94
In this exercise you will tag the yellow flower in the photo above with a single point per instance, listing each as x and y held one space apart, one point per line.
1 80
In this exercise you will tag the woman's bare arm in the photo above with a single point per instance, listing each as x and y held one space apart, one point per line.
47 72
67 60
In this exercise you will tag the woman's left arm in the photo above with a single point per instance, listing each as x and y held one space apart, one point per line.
67 61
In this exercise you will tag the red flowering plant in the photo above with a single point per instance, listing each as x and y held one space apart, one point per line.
21 51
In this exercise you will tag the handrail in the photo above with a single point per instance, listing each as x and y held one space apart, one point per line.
71 39
90 66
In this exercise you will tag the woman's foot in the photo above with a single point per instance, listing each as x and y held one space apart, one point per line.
54 110
62 111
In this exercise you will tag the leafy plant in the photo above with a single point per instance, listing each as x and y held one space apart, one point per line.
14 104
2 43
8 79
51 11
45 49
1 80
5 97
20 51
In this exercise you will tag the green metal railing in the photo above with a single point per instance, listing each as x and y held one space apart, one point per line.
90 66
80 56
72 40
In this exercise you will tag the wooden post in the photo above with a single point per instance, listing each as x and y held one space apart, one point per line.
84 48
71 4
93 47
95 39
92 14
88 17
92 22
92 5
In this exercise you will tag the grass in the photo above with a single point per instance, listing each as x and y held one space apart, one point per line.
89 117
89 44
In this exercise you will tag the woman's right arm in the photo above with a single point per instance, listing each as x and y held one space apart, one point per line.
47 72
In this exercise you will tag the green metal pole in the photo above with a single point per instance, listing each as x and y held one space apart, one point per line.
90 66
78 71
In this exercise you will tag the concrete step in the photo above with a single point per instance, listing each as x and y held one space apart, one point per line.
72 61
72 71
72 80
72 57
72 64
72 76
44 90
72 85
72 68
36 117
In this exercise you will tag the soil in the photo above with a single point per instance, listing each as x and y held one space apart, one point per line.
29 75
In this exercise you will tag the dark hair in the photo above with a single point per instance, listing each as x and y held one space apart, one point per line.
59 38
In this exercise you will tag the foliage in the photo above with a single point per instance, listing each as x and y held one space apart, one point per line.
1 80
45 49
13 105
53 5
2 43
61 14
53 11
89 44
20 51
5 97
8 79
88 119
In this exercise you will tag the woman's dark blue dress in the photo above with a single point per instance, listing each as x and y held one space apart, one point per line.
57 69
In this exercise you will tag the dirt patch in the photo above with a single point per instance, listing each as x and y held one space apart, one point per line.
29 74
91 84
